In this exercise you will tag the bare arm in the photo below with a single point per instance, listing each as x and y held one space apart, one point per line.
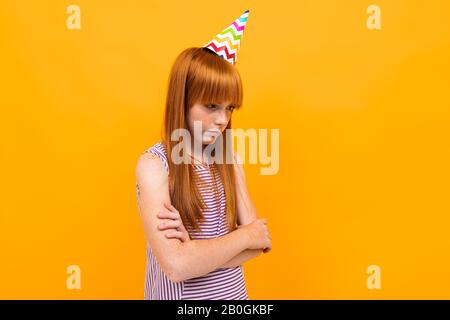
242 257
180 260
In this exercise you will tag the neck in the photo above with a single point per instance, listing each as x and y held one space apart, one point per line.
197 154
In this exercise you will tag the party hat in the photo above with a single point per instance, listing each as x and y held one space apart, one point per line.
227 43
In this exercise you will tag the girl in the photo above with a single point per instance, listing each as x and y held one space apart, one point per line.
199 221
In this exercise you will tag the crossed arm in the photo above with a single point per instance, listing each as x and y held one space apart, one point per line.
246 213
185 260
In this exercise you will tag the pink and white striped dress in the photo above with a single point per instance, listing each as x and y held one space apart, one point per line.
220 284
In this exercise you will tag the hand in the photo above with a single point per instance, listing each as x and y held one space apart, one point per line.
259 235
173 223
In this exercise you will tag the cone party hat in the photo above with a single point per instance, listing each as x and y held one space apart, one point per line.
227 43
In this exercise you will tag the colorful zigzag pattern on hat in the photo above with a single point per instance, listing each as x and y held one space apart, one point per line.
227 43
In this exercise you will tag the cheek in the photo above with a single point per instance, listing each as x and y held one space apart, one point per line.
191 117
197 115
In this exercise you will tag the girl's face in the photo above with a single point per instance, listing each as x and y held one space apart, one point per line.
213 117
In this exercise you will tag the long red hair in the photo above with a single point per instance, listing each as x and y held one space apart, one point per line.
199 76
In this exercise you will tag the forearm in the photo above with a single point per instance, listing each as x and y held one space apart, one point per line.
199 257
242 257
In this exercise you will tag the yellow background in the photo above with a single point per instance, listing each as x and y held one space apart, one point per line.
364 142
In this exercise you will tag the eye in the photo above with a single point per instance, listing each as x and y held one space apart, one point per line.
231 108
211 106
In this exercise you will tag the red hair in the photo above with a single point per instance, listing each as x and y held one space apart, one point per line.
199 76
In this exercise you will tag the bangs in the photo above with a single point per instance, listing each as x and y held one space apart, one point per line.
213 80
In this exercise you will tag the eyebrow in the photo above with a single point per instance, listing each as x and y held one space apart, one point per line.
221 105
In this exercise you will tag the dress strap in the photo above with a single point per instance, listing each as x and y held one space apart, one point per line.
159 150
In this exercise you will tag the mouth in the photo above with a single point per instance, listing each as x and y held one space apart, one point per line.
213 133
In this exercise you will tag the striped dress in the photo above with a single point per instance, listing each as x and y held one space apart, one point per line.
220 284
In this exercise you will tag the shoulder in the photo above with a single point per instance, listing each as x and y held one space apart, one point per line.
152 162
159 150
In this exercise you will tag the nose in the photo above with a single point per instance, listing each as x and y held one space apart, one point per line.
222 118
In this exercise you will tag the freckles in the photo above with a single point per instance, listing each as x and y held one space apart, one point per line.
202 116
198 114
193 116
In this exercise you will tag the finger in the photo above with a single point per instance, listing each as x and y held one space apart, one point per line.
168 215
174 224
267 250
174 214
170 207
174 235
185 237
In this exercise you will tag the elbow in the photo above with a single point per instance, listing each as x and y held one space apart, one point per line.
174 274
174 269
171 276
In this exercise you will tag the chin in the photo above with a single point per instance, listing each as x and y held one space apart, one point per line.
208 142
